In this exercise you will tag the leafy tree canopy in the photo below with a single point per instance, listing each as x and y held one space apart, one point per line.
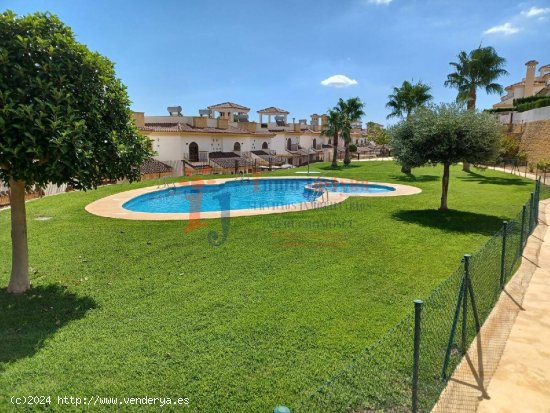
377 134
64 116
445 134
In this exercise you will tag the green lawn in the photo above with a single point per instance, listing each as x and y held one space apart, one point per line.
123 308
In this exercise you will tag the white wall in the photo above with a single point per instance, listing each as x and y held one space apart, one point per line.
169 119
175 147
532 115
167 147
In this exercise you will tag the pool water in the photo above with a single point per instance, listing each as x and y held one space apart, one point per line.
241 194
353 187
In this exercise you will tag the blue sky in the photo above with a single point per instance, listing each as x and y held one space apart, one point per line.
277 53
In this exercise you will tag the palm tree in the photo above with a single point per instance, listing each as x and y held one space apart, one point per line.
478 69
404 100
334 125
352 110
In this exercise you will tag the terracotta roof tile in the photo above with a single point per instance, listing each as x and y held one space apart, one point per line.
230 105
273 110
185 127
152 166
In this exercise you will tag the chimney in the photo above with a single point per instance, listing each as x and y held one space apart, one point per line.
315 120
530 78
249 126
223 123
199 121
139 119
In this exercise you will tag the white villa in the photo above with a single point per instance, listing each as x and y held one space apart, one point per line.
222 136
531 85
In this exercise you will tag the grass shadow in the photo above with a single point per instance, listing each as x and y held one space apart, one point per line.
452 221
493 180
339 167
27 320
415 178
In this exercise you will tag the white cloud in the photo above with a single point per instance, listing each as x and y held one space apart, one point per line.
338 81
535 11
380 1
505 28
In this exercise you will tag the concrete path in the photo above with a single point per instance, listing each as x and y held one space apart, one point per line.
507 368
521 383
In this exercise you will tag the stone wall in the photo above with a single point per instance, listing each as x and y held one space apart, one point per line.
535 140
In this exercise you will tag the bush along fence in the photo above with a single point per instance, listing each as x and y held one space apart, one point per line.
408 368
522 167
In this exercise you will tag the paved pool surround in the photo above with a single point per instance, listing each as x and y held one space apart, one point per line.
112 206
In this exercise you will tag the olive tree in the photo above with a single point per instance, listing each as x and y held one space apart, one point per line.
445 134
64 119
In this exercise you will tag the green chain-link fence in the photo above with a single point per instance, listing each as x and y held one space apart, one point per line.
381 378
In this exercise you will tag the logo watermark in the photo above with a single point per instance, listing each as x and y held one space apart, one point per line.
314 189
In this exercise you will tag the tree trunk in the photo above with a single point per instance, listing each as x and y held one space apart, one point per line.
445 187
335 153
347 159
406 169
19 281
471 105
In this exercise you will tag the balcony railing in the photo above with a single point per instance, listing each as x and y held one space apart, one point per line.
201 156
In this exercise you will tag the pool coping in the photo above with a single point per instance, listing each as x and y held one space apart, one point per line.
111 206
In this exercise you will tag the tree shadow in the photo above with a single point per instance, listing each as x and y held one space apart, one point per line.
452 220
339 167
27 320
415 178
493 180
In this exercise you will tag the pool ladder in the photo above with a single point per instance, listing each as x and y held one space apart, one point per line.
243 177
164 184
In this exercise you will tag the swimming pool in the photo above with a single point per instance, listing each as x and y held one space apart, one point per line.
243 194
215 198
352 187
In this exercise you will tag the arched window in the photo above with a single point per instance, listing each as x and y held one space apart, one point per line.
314 143
237 147
288 144
264 145
193 152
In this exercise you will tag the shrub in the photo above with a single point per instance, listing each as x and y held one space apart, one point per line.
539 103
543 165
509 147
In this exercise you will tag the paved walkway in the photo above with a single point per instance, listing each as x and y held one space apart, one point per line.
507 368
521 383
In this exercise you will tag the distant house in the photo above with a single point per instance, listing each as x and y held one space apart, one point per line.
222 136
532 87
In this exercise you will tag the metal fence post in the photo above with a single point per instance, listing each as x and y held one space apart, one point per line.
521 236
503 254
465 302
537 200
416 353
531 205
